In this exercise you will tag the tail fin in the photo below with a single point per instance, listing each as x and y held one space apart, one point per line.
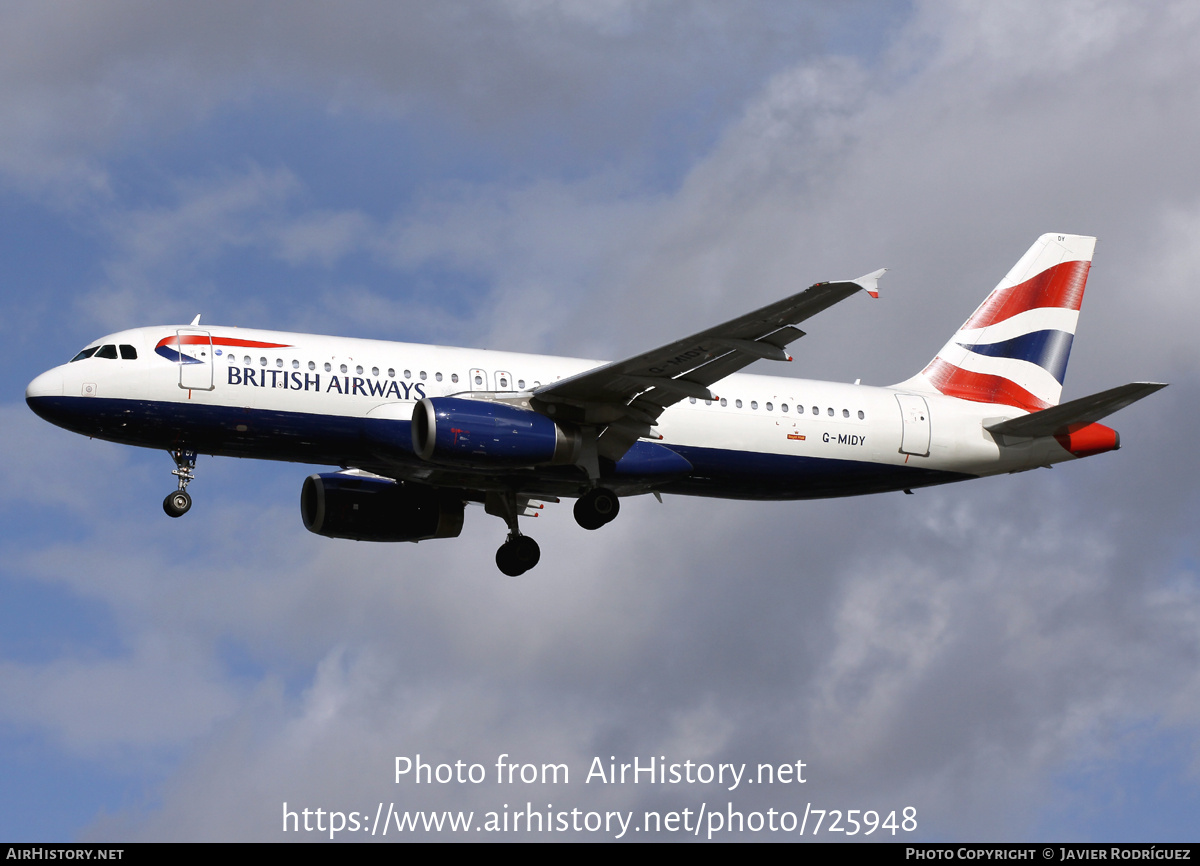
1014 348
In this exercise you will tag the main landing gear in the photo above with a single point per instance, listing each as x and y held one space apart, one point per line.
596 507
177 504
517 555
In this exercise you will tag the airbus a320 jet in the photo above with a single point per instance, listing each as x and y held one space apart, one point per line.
420 431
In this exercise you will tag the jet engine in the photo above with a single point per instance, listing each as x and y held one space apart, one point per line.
458 430
366 508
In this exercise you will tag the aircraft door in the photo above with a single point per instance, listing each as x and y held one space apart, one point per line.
504 382
914 414
479 381
195 359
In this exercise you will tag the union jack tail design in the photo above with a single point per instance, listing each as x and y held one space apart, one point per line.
1014 348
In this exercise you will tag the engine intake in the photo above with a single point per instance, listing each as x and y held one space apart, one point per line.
377 509
459 430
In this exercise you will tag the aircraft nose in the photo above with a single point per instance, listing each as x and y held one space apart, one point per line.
49 384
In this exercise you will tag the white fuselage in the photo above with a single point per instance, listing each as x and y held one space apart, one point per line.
301 397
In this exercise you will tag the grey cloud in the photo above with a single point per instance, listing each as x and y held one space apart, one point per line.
86 81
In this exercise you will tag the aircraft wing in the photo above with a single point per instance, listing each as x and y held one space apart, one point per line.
627 397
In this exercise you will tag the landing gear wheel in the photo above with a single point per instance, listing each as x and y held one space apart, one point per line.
177 504
517 555
596 508
526 551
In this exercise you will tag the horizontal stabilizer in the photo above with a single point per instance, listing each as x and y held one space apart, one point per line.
1085 410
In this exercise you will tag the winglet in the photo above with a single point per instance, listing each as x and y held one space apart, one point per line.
870 282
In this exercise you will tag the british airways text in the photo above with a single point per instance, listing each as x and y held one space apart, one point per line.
294 380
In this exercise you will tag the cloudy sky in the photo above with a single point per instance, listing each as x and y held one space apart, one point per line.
1014 658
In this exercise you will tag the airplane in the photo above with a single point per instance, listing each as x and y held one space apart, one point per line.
419 431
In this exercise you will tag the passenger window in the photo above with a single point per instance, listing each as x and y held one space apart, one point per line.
358 370
830 411
422 375
783 407
816 410
753 404
861 416
128 353
312 365
328 367
343 368
737 403
770 408
295 364
408 374
391 372
86 353
454 377
724 402
520 382
845 413
109 352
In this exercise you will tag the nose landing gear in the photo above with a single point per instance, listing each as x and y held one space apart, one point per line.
177 504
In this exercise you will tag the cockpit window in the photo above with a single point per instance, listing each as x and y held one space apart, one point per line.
86 353
109 351
128 353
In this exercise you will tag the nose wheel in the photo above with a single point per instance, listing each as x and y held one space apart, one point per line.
177 504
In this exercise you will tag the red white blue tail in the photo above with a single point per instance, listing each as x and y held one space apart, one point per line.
1014 348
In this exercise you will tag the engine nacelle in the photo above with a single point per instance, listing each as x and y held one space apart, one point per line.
376 509
458 430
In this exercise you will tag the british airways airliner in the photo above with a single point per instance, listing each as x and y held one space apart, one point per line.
420 431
